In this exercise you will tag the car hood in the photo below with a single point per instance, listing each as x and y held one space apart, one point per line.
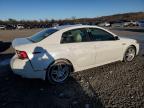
127 39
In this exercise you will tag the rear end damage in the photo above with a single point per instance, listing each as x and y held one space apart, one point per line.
21 63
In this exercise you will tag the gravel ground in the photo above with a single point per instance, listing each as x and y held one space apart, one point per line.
114 85
119 84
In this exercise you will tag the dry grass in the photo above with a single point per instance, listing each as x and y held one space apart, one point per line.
9 35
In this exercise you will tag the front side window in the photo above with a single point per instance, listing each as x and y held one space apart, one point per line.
100 35
74 36
42 35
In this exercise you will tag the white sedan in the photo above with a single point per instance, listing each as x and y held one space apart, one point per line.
56 52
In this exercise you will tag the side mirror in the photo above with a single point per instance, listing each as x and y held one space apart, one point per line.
116 38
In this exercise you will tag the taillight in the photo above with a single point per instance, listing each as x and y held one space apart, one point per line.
22 55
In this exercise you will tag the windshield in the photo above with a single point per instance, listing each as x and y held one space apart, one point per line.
42 35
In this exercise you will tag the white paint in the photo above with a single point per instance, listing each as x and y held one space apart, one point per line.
82 55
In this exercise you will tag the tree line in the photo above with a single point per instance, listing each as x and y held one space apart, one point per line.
74 20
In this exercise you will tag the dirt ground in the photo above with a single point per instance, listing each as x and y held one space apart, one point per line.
9 35
114 85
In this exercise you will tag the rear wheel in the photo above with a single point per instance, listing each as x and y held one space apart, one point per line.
130 54
58 72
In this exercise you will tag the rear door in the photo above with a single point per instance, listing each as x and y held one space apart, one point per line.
82 51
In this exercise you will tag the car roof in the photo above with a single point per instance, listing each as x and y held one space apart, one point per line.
72 26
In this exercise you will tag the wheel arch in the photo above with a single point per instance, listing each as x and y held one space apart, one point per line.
134 47
131 45
60 59
68 61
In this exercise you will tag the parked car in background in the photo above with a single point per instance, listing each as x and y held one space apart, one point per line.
20 26
55 24
118 24
105 24
141 23
130 23
56 52
2 27
10 27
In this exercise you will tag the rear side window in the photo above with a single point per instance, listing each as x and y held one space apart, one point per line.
100 35
75 36
42 35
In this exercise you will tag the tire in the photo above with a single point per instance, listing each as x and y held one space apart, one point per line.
130 54
58 72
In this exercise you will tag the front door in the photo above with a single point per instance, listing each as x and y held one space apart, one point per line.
107 48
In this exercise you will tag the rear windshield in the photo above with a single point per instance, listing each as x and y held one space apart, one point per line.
42 35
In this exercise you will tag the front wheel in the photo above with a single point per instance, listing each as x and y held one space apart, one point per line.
130 54
58 72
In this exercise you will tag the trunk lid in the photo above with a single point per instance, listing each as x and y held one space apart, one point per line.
20 42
